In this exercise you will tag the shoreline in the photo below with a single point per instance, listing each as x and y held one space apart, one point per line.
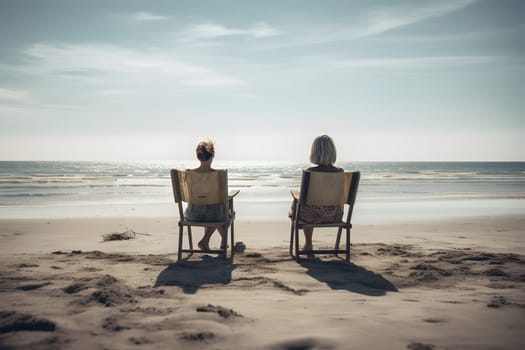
158 235
366 211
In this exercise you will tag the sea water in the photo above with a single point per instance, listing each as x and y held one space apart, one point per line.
388 190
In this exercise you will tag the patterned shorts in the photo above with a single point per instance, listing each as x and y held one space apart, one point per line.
205 212
320 214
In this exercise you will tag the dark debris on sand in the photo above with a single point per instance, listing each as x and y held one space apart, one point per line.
149 292
140 340
90 282
111 297
12 321
410 266
398 250
304 344
109 291
148 310
420 346
24 266
198 336
73 252
253 255
75 288
112 324
500 301
223 312
32 286
496 272
430 267
119 236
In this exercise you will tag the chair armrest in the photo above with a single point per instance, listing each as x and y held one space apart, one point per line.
295 205
233 193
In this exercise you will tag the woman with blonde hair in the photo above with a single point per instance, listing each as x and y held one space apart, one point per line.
323 154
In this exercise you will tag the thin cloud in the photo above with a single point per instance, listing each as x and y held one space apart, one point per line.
15 111
97 63
386 19
147 17
414 63
376 22
487 35
325 63
213 31
217 81
13 95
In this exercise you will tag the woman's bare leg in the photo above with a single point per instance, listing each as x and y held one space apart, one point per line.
222 232
204 243
308 232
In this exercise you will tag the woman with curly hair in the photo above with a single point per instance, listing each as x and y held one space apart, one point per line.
207 212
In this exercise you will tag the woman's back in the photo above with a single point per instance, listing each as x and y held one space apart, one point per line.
323 154
205 212
326 168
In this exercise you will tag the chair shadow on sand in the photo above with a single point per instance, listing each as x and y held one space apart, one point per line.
347 276
191 275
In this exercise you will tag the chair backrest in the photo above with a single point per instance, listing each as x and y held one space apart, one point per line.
200 187
326 188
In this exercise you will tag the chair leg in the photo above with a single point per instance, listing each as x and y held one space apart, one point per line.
338 239
190 238
225 247
179 254
291 238
347 244
232 240
296 242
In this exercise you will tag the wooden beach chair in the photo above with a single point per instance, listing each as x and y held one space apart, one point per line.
324 188
203 188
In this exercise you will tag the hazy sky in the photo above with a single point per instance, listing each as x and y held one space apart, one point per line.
389 80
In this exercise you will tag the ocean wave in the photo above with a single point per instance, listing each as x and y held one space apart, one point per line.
68 181
37 194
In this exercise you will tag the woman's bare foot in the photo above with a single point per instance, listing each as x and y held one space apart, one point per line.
203 246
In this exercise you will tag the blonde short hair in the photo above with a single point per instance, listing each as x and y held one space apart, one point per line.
323 151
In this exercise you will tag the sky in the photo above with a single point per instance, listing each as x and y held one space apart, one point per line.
146 80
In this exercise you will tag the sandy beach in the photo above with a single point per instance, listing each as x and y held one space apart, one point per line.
448 284
403 117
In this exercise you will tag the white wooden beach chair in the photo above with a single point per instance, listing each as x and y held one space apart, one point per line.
203 188
323 189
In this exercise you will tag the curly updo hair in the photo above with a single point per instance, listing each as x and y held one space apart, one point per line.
205 150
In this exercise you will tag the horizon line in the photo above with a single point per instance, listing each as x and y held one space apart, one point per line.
252 161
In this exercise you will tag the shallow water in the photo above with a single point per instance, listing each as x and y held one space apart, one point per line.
387 190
